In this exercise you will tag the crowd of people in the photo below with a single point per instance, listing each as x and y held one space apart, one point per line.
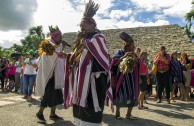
87 78
19 74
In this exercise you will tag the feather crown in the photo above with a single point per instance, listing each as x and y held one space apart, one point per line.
126 37
90 10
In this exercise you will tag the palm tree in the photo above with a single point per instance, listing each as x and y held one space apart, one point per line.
36 31
189 16
187 29
33 39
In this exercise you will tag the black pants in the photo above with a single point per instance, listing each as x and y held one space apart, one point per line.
163 81
2 81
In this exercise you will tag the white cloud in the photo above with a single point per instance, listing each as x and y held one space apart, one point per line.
119 13
179 9
12 36
173 8
68 16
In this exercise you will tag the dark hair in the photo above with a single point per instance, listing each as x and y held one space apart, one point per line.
138 49
162 48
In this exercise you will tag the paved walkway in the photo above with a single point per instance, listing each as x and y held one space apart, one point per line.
14 110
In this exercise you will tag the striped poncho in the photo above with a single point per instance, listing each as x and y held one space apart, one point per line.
176 70
126 85
49 66
80 79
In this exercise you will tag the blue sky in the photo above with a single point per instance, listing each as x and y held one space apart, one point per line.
17 17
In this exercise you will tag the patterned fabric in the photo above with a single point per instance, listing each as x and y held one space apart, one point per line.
162 66
80 77
176 70
127 84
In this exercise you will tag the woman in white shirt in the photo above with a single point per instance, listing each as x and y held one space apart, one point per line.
29 74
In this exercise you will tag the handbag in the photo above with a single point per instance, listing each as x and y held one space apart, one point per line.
154 69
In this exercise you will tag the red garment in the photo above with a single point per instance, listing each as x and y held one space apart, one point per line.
12 70
162 66
143 68
192 78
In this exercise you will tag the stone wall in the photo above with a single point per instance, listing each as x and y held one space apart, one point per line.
149 39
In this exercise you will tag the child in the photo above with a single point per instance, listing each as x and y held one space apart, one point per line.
144 79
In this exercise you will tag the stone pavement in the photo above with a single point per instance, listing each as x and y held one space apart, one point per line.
16 111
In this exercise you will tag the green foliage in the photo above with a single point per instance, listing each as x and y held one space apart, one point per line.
187 29
31 41
190 15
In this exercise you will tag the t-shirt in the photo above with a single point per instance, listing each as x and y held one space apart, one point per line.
143 68
18 67
12 70
30 70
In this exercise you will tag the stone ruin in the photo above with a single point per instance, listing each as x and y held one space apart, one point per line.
148 39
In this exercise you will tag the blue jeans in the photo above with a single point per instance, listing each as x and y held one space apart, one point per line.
21 84
29 81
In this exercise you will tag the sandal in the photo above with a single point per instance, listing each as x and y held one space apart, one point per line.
140 107
131 117
145 107
118 117
55 117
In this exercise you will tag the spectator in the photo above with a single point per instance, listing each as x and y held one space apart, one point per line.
6 74
138 52
162 60
176 74
29 74
22 80
18 65
3 68
11 74
187 73
145 80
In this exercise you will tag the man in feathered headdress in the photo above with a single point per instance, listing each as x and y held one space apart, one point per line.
126 82
90 73
50 74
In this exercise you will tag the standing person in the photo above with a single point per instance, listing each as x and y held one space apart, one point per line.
11 74
50 76
6 74
22 80
176 71
162 60
18 65
30 65
3 68
187 73
138 52
126 87
145 80
92 71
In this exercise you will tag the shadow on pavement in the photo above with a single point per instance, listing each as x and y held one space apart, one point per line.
172 114
176 106
59 123
111 121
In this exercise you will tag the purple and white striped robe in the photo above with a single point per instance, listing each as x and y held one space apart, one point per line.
81 79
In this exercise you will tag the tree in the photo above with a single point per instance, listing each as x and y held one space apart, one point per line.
189 16
32 40
187 29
